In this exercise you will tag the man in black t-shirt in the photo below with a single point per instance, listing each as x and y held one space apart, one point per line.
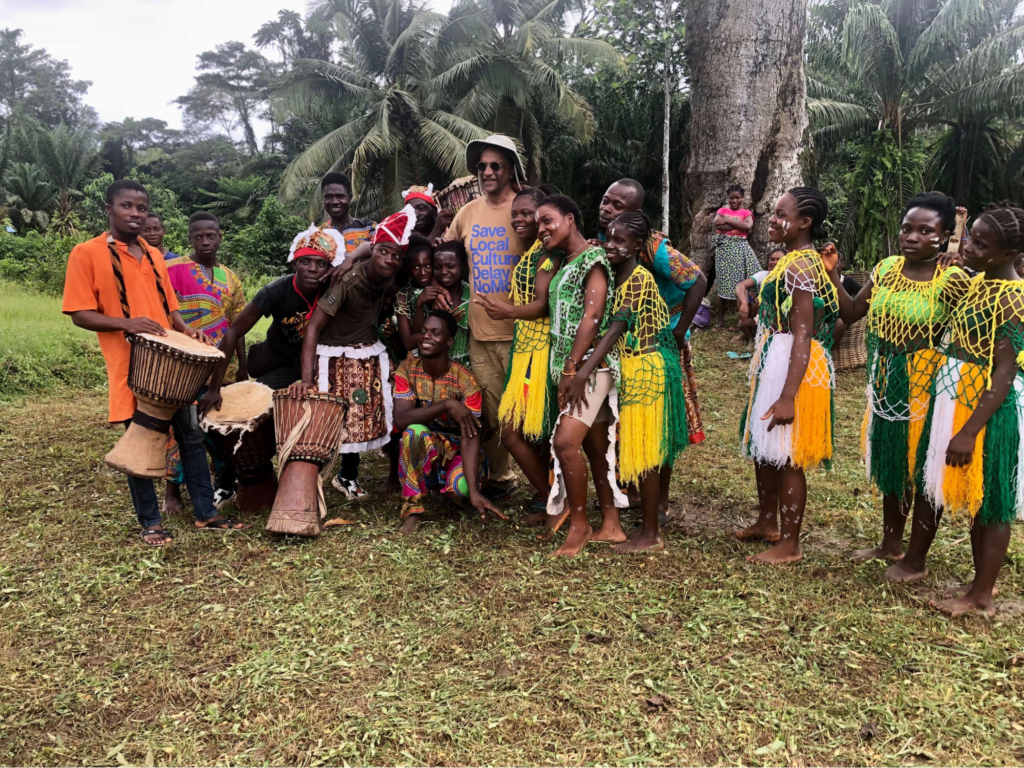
290 301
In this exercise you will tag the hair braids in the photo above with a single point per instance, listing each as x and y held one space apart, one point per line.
1007 220
636 222
810 202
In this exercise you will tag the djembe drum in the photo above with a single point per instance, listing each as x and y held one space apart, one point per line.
243 431
458 193
165 373
309 432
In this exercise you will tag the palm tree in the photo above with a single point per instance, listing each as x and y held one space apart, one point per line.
420 86
398 131
506 68
29 196
238 199
69 158
893 68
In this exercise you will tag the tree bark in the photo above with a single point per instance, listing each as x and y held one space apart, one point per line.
748 106
666 203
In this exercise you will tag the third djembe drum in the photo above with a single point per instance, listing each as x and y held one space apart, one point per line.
309 433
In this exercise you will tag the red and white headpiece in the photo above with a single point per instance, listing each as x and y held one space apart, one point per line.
325 242
396 228
420 193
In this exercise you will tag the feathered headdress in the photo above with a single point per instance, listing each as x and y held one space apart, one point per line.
396 228
420 193
319 241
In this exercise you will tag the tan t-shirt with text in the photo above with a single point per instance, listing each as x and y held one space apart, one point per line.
493 248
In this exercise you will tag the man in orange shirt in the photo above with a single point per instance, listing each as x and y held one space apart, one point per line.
137 298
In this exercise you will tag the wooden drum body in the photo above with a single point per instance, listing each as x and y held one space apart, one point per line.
165 373
308 435
243 431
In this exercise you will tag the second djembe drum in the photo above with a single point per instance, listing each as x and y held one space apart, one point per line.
309 432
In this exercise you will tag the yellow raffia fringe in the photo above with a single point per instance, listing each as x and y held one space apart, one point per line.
812 427
922 365
964 487
516 408
641 425
864 423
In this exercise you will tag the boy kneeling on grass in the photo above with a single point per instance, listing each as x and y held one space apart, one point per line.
437 410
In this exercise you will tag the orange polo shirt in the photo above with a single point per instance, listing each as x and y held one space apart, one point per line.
90 284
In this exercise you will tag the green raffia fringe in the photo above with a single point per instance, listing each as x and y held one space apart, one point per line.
1001 442
890 440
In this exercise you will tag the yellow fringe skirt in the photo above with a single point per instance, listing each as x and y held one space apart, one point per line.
524 403
642 437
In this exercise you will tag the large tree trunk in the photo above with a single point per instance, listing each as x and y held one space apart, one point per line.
747 100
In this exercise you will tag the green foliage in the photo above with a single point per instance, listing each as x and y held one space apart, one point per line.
34 85
884 177
237 201
262 247
36 260
947 71
29 197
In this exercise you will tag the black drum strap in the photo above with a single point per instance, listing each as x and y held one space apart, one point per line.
163 426
115 261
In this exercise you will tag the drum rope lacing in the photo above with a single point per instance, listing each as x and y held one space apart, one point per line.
289 445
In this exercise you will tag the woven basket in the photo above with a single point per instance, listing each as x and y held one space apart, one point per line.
458 193
852 351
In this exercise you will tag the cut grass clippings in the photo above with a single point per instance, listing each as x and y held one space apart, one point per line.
465 645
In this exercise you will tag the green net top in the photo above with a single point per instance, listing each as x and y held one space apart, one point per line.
566 299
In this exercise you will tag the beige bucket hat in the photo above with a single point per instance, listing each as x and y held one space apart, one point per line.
498 141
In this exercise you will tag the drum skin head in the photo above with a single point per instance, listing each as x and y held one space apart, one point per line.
242 404
184 343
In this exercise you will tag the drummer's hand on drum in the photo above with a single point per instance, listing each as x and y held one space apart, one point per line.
464 418
299 390
210 401
144 325
482 506
200 336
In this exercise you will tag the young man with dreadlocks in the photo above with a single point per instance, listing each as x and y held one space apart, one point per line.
652 410
971 460
787 427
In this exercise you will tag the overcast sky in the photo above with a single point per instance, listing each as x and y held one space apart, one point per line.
140 55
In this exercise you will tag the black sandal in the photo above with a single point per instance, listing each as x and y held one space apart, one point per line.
224 524
168 539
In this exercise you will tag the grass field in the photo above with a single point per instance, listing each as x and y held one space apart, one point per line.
39 347
466 645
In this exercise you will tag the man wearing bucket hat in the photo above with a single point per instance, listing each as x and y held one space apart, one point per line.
484 226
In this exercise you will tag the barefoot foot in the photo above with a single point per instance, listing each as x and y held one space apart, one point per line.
958 606
172 499
963 589
777 556
389 487
758 532
904 573
639 544
412 522
610 533
878 553
577 539
534 519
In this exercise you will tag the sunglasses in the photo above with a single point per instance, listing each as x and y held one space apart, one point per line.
495 167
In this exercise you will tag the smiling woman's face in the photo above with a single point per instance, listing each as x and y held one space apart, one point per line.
553 227
524 217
